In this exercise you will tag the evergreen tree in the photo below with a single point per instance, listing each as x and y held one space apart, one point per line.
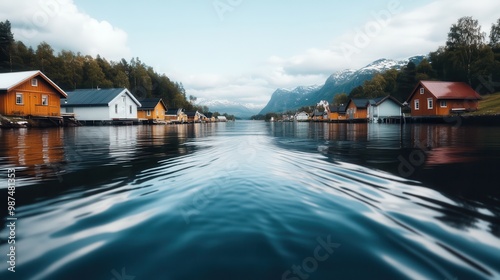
6 44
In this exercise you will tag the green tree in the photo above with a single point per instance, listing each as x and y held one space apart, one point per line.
465 40
357 92
23 58
6 43
495 34
406 81
424 71
93 73
45 59
375 87
340 99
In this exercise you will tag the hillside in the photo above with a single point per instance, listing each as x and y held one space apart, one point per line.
489 105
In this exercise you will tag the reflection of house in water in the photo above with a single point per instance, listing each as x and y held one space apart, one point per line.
440 143
95 143
347 132
35 149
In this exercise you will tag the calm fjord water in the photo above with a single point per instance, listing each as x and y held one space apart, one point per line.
254 200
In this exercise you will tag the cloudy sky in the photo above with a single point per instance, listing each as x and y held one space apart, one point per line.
243 50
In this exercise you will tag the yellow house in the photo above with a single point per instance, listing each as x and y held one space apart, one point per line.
153 110
176 115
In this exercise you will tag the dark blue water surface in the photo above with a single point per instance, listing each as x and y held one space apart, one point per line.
253 200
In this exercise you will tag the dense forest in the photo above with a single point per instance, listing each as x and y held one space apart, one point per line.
467 57
71 70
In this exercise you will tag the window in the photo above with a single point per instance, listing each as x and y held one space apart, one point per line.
148 113
443 104
130 109
45 100
422 90
116 108
34 82
19 99
430 104
417 104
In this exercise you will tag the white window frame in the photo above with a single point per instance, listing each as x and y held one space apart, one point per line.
422 90
19 96
116 108
130 109
34 82
45 100
430 103
416 104
443 104
148 113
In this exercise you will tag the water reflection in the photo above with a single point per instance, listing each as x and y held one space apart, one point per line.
257 195
36 149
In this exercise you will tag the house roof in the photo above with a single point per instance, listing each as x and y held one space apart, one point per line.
11 80
150 103
172 112
338 109
191 113
359 102
379 100
448 90
95 97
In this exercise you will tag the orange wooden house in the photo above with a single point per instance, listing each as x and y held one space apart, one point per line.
337 113
357 109
29 93
152 110
435 98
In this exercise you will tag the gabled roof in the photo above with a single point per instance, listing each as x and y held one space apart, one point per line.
11 80
95 97
150 103
379 100
448 90
338 109
173 112
191 113
359 102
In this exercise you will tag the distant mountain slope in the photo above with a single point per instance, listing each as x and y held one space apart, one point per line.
241 111
284 100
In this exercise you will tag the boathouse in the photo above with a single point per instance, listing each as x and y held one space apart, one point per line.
30 94
337 113
152 110
357 109
435 98
384 109
175 115
102 106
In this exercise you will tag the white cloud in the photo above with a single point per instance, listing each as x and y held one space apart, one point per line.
397 34
63 26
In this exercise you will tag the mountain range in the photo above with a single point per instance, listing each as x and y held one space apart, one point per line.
241 111
343 81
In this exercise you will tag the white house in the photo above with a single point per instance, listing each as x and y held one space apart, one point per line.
383 108
302 116
101 105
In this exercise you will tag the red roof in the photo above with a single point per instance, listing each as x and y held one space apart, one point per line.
450 90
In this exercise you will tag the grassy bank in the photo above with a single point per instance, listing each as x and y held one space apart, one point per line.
489 105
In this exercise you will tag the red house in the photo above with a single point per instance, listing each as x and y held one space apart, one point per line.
435 98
